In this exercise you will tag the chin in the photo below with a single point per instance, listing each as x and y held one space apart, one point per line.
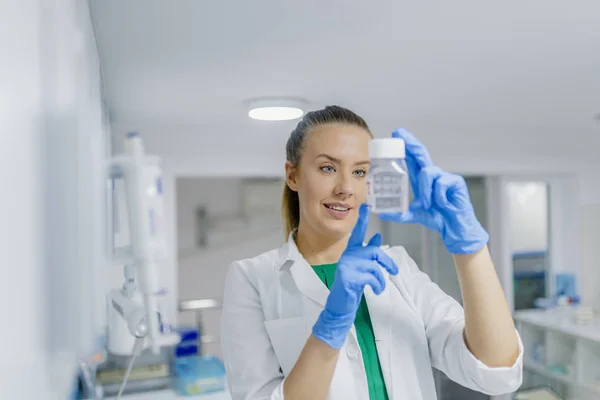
336 232
338 228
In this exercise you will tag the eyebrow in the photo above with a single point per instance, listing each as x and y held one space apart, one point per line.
337 160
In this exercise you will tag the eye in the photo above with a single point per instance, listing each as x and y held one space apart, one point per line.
360 173
327 168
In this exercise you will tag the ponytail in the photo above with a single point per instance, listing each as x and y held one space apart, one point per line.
290 210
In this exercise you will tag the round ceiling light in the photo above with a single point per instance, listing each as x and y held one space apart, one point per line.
276 109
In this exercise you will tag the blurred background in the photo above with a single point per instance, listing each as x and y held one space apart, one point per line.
505 93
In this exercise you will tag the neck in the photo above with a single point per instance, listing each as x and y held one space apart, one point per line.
318 249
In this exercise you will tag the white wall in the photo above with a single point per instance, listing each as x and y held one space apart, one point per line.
202 275
21 106
202 271
221 196
49 78
590 254
589 185
528 216
589 214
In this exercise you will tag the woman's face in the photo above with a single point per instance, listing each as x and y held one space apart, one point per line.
331 178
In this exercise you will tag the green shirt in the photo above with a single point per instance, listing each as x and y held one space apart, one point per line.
366 338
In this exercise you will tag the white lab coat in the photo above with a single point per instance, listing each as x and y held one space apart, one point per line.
272 301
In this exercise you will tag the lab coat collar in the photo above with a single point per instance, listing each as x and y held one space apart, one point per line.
288 252
307 281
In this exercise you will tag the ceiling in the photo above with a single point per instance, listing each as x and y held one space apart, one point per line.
504 83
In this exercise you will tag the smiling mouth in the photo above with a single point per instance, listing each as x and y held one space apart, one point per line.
337 208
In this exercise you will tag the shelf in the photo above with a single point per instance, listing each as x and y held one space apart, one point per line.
589 357
560 321
561 350
542 370
570 381
591 389
551 338
171 395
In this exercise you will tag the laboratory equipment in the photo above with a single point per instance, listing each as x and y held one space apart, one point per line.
190 341
199 375
529 279
136 302
540 393
584 315
149 374
387 181
198 307
358 267
87 382
566 285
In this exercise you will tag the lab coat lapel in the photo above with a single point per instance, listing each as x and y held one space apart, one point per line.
380 311
305 278
308 282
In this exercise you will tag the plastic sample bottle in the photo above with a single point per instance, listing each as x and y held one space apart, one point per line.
387 181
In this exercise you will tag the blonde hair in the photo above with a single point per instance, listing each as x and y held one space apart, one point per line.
290 203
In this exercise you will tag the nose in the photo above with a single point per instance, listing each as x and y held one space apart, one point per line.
345 185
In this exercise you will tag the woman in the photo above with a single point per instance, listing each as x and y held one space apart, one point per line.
382 325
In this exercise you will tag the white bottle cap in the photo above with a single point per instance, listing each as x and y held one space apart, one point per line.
387 148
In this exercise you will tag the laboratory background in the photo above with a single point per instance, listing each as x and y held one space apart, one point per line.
506 93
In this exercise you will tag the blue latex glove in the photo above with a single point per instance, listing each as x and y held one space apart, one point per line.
358 266
441 201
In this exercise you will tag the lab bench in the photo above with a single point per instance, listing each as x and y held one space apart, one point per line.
561 353
171 395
